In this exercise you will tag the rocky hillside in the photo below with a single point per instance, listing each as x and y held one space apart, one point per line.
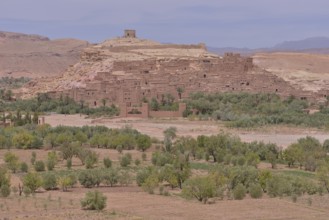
307 71
36 56
101 57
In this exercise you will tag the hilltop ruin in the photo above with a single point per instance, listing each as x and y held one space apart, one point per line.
126 70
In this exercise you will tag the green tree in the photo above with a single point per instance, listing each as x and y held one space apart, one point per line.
64 182
255 191
272 158
91 159
151 182
12 161
33 157
107 162
32 181
200 188
94 200
49 181
125 160
51 160
322 174
89 178
111 177
24 167
143 142
239 192
252 159
23 140
264 176
50 139
5 191
169 136
39 166
4 182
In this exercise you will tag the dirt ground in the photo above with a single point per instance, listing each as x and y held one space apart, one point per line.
281 135
131 203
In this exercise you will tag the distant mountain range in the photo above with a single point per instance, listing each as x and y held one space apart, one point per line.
310 45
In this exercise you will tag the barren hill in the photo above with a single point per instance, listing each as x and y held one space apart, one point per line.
307 71
36 56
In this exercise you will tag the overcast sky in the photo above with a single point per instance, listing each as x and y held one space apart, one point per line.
220 23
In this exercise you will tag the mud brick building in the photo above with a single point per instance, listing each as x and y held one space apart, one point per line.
126 70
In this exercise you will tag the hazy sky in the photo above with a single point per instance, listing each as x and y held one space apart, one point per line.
221 23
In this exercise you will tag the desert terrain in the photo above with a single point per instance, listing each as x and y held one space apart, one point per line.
34 56
307 71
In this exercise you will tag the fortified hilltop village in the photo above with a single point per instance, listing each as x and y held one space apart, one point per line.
127 70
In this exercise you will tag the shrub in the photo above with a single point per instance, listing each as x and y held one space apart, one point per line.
32 181
150 183
94 201
4 177
137 162
142 175
50 165
119 148
69 163
144 156
11 161
255 191
24 167
73 180
161 158
89 178
39 166
107 162
27 191
310 187
239 192
125 160
125 178
49 181
143 142
111 177
64 182
5 190
51 160
33 157
241 160
91 160
278 186
200 188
